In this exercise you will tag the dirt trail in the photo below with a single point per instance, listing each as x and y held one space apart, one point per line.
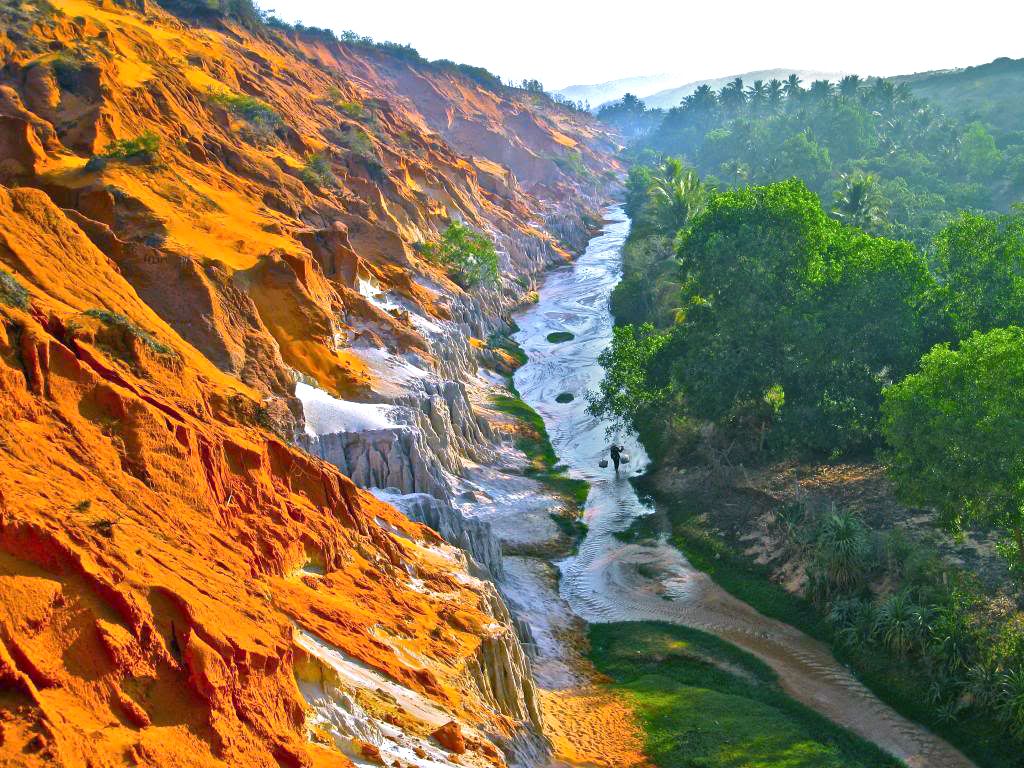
609 580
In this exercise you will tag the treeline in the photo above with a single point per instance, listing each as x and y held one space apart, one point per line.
893 164
754 326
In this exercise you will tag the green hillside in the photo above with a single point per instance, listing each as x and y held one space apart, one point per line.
992 93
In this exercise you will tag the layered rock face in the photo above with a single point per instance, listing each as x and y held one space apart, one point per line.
214 317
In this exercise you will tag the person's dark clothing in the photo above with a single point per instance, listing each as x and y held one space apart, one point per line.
615 451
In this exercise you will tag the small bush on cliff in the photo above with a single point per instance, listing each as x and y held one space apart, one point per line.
144 147
468 255
12 293
67 67
262 118
337 99
118 320
317 171
357 141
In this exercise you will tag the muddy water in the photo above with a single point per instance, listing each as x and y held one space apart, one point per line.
609 580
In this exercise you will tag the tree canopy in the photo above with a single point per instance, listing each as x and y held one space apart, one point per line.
956 431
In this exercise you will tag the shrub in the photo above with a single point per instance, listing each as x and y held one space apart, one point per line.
842 548
900 623
66 68
12 293
120 321
317 171
262 118
145 147
357 141
468 255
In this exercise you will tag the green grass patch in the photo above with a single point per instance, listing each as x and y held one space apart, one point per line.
317 171
559 336
144 147
895 681
12 292
536 444
118 320
643 528
703 703
507 344
263 118
572 527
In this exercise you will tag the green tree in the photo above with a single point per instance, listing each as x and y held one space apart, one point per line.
732 97
850 85
957 435
978 152
468 255
676 195
859 201
792 88
979 261
804 158
626 390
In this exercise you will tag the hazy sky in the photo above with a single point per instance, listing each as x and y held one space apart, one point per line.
564 43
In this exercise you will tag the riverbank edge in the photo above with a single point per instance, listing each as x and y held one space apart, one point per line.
892 680
542 461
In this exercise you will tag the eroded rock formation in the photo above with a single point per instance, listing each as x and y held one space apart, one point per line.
196 219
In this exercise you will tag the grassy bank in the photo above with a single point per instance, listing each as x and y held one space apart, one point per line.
703 702
901 685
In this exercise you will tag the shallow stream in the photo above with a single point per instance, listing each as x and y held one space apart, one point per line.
611 580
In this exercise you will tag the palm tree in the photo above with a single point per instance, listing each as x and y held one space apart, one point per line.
858 201
774 91
792 87
821 90
677 194
702 100
736 172
732 96
757 95
849 86
881 95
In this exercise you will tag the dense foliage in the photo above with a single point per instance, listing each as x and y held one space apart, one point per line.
892 163
839 285
957 434
767 317
467 255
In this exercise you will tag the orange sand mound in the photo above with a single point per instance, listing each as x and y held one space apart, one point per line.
588 727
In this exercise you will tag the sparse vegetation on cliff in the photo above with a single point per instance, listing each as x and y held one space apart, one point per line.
468 255
12 292
144 147
118 320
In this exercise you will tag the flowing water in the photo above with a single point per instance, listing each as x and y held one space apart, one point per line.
610 580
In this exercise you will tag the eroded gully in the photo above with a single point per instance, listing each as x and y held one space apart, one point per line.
609 580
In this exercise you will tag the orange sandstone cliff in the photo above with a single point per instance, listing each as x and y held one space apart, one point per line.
216 328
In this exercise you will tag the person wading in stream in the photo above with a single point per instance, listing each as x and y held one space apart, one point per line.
616 452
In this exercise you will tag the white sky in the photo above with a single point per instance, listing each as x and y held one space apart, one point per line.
567 42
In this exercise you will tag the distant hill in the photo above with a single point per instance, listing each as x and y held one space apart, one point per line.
601 93
992 93
668 90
